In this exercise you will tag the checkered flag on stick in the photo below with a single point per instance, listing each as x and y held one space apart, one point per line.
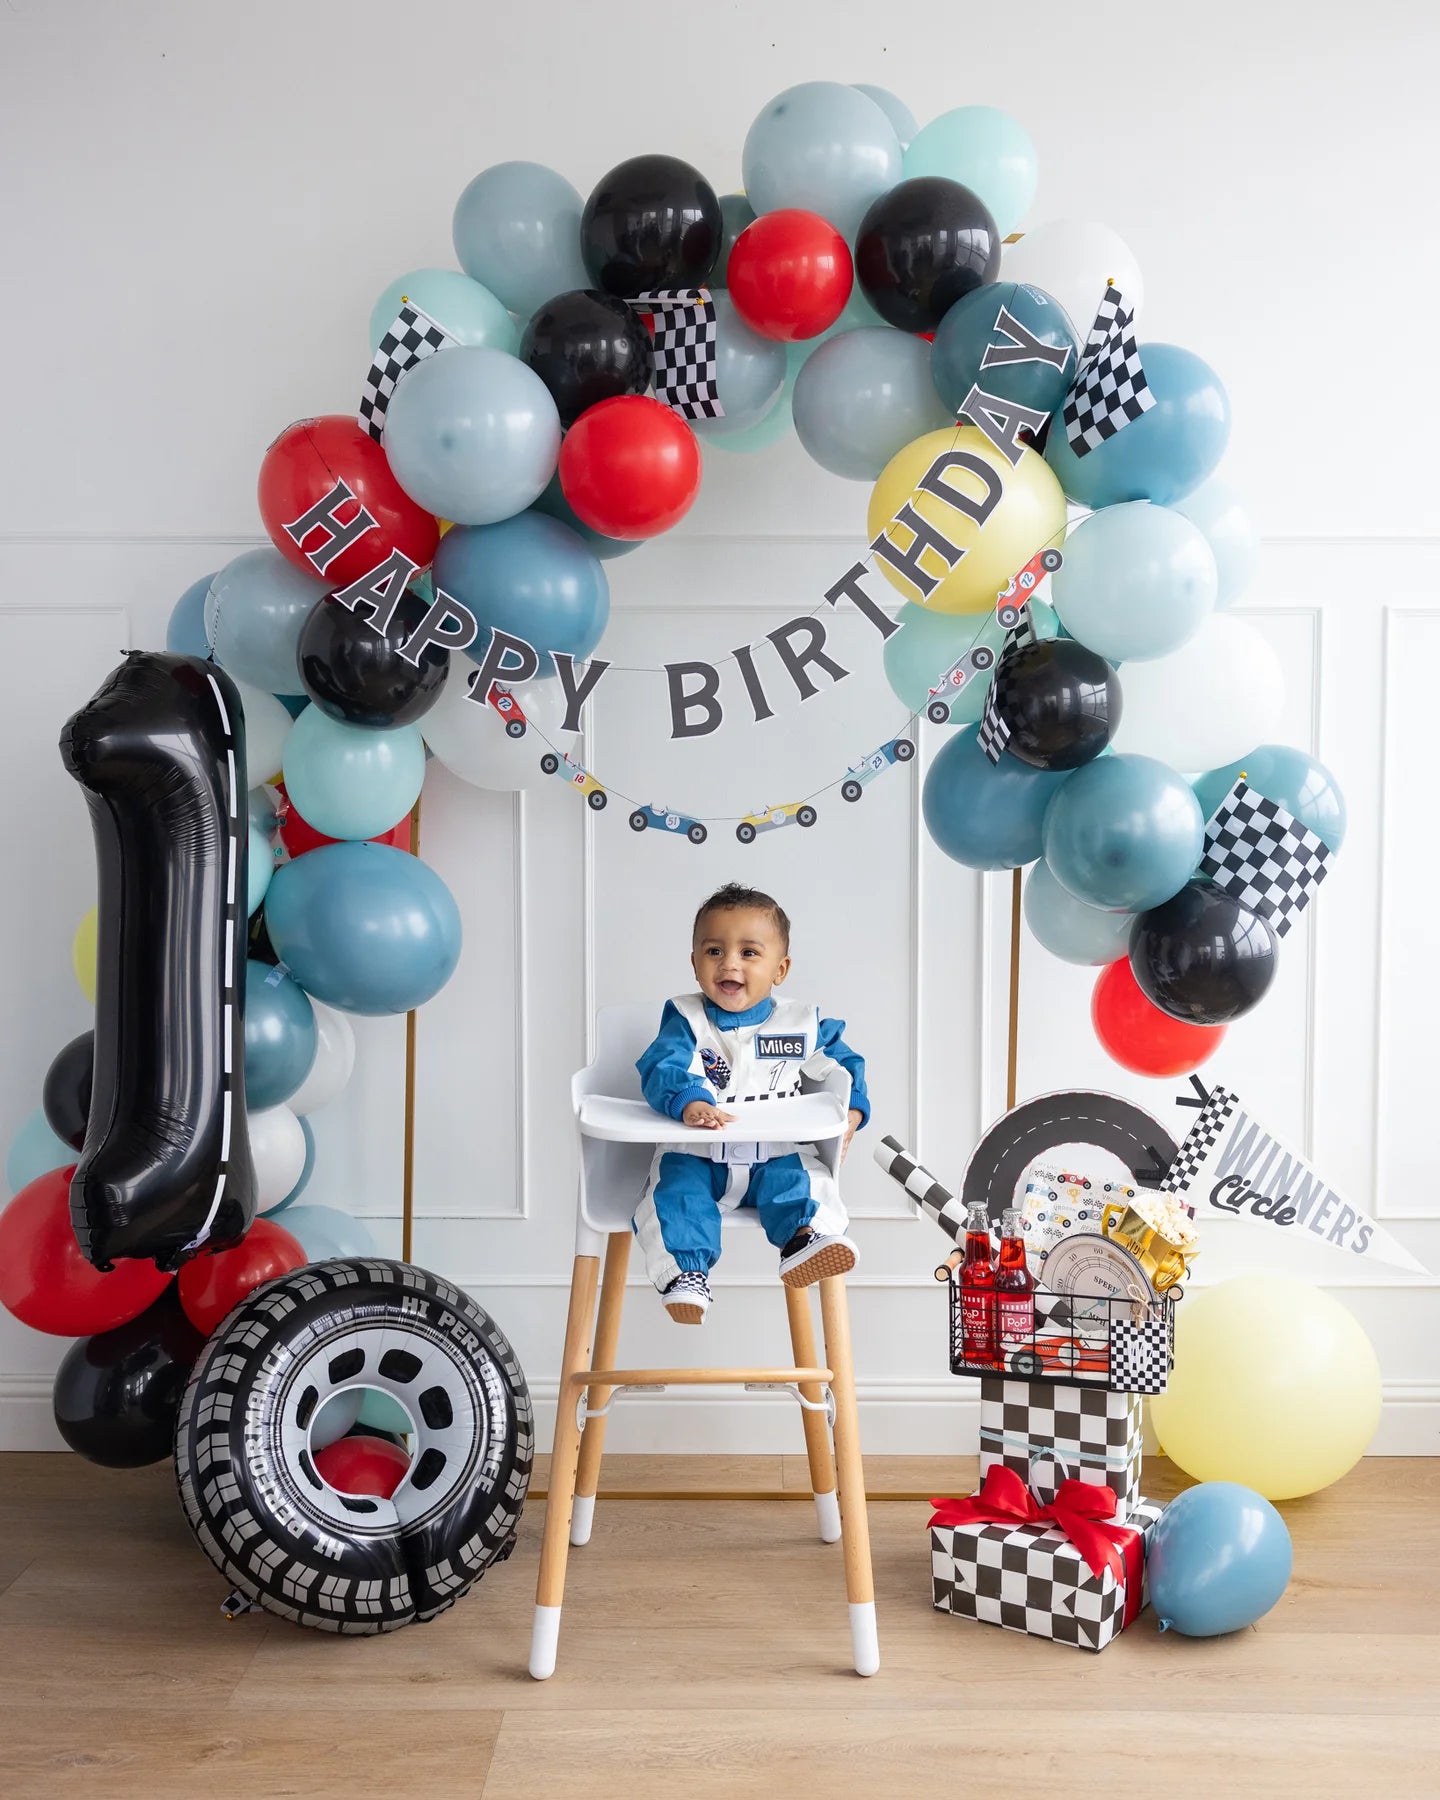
1110 386
684 334
993 732
413 336
1263 856
935 1201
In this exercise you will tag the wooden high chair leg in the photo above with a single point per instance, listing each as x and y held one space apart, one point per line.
607 1340
854 1520
555 1545
817 1436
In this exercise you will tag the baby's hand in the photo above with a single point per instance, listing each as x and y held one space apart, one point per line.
855 1117
706 1116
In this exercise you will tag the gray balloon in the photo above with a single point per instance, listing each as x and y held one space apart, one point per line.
736 213
894 109
1070 929
517 231
254 613
472 435
749 372
823 147
864 396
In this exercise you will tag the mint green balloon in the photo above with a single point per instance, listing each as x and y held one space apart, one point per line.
383 1413
348 781
987 151
469 312
927 643
777 422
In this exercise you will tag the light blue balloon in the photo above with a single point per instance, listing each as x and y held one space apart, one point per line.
895 110
1219 1558
736 213
1299 783
1137 582
517 232
986 815
972 327
463 309
823 147
928 643
324 1231
261 805
1069 929
383 1412
1164 454
306 1172
185 633
530 576
259 867
337 1415
280 1035
749 373
35 1150
348 781
364 926
1126 833
985 150
254 613
1215 508
472 435
862 397
555 506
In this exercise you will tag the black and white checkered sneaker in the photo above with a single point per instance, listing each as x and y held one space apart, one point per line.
1110 387
411 338
684 334
1263 856
688 1297
810 1256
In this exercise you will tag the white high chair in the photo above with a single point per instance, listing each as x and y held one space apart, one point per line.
618 1135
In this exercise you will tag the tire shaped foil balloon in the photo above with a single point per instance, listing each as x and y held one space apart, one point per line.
165 1168
246 1466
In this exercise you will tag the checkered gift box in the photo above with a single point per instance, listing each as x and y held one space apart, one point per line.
1046 1431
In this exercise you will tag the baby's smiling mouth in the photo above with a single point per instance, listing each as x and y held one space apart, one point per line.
729 985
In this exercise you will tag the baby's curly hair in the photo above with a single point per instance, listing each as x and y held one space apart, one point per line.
734 897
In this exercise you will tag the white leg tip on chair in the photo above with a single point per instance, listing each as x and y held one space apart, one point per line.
545 1641
863 1636
582 1517
827 1511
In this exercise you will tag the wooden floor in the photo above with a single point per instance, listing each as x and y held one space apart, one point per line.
705 1652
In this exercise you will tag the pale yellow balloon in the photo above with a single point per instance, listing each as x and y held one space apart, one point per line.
1275 1386
82 953
1028 515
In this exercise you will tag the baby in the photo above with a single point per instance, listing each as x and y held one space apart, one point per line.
732 1042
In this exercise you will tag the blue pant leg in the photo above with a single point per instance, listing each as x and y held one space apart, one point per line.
780 1189
679 1220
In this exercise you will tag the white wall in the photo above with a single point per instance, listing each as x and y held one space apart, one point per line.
201 203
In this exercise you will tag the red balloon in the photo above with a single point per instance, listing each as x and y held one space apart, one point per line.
303 465
47 1283
790 275
298 835
363 1465
218 1280
1138 1035
630 467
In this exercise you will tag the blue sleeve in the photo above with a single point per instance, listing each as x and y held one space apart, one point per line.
833 1049
669 1078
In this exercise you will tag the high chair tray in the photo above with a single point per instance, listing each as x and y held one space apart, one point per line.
807 1119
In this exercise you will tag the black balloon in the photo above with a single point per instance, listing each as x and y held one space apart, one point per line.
1060 701
923 246
66 1094
357 674
117 1395
652 223
587 347
1202 956
166 1168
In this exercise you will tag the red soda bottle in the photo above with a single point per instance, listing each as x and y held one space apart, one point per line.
977 1290
1014 1291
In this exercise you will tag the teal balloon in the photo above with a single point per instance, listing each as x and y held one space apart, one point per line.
35 1150
862 397
895 110
259 867
382 1412
306 1172
929 642
823 147
348 781
185 631
1137 582
294 704
338 1414
530 576
1219 1558
462 308
472 435
1164 454
261 805
1299 783
973 325
986 815
1126 833
985 150
1215 508
280 1036
517 232
736 213
364 927
325 1232
254 613
749 373
554 505
1069 929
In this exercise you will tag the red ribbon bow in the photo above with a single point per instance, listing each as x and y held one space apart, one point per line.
1085 1514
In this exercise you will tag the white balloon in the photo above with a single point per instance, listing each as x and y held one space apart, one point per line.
1207 703
267 725
334 1060
277 1149
1214 508
1072 260
470 738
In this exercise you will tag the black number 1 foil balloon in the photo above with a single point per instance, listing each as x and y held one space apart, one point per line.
165 1170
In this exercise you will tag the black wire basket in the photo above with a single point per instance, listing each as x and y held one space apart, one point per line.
1083 1340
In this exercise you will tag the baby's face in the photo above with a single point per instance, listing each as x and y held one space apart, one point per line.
738 957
